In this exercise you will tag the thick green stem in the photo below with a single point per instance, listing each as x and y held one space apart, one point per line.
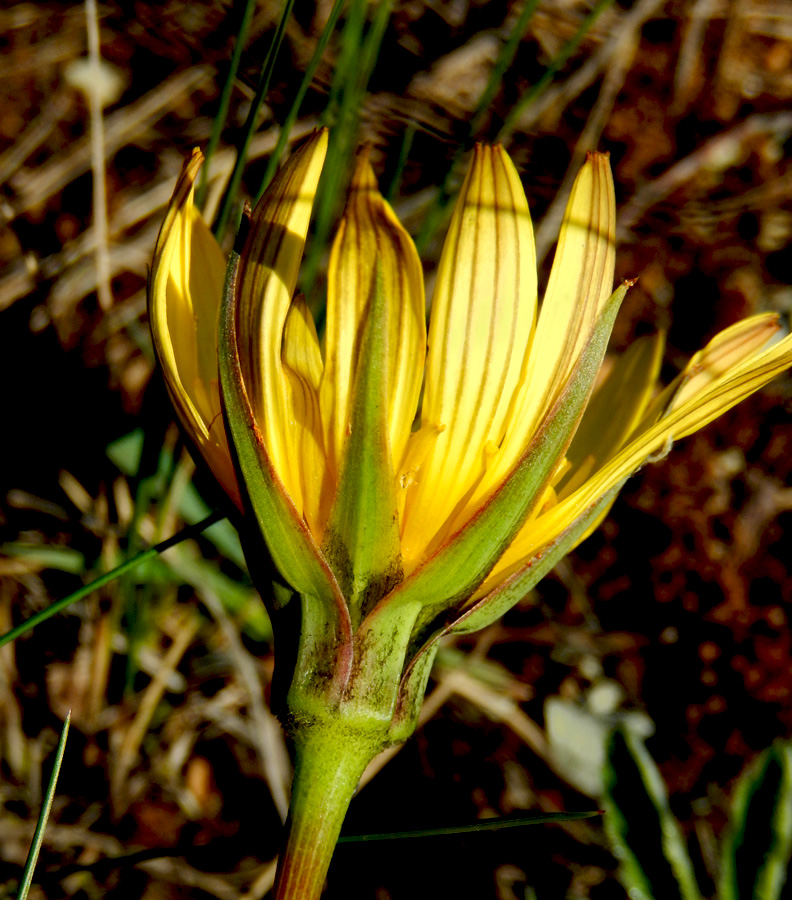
329 761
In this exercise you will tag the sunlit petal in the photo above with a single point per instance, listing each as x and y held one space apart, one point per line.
270 265
580 283
482 314
186 289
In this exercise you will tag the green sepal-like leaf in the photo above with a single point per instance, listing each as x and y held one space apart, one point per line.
646 838
500 600
456 570
487 610
362 537
287 537
757 847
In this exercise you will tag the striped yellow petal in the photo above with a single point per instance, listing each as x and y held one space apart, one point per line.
268 276
724 351
370 237
302 362
614 411
185 291
482 315
749 372
580 283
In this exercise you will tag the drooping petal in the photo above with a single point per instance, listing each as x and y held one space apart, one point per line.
302 362
482 315
370 237
268 277
614 411
184 298
750 371
580 284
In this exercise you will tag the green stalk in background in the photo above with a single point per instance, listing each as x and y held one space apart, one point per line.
225 100
251 123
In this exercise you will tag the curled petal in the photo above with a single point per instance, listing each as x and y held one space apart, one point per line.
302 362
184 298
270 265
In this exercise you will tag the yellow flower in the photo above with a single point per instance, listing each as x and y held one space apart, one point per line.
397 520
495 371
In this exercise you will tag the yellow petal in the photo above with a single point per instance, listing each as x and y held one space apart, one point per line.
750 372
270 264
370 236
614 411
184 298
580 283
302 361
482 315
724 351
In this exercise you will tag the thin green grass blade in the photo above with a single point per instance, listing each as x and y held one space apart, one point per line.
38 835
401 162
508 50
225 101
436 213
251 123
473 828
108 577
356 63
291 118
556 64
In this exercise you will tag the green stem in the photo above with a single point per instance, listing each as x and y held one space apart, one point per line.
329 760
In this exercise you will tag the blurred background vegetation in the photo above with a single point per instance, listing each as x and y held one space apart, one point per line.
672 620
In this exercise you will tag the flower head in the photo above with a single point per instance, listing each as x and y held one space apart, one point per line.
357 458
409 486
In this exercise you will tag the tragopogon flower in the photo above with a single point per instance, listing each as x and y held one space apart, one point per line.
399 519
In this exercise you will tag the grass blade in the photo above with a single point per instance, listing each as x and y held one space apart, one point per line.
225 100
251 122
38 835
102 580
472 828
291 118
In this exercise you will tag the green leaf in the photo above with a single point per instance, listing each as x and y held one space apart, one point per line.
127 451
38 835
362 540
112 575
645 836
758 844
64 559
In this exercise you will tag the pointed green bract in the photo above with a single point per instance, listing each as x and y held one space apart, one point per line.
457 569
484 612
362 537
287 537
